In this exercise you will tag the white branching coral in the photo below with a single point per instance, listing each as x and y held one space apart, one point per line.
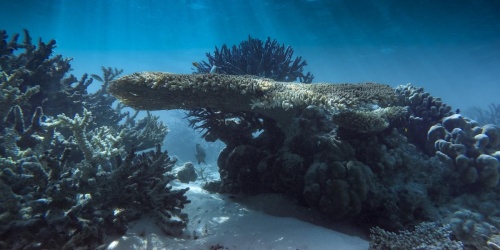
79 126
104 143
11 95
107 143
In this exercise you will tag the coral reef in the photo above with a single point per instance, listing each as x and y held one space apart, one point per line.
366 153
339 188
226 126
80 206
369 121
471 151
425 236
266 59
160 90
69 173
67 161
473 227
424 111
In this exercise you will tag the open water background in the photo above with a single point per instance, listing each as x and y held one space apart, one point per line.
449 47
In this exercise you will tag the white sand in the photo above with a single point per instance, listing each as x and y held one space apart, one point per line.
260 222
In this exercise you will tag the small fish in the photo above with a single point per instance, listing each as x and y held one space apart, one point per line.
213 70
98 78
200 154
196 64
457 111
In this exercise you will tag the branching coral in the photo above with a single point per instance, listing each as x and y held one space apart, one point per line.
34 66
254 57
62 175
101 102
425 236
486 116
78 125
226 126
144 133
74 205
11 94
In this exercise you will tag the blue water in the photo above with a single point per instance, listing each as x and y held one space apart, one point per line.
450 47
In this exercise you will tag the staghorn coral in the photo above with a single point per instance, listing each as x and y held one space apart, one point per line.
254 57
34 66
229 127
11 95
66 205
63 179
486 116
100 103
78 125
144 132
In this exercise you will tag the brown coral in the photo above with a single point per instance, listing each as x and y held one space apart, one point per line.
160 90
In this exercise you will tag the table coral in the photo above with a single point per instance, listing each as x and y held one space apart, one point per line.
160 90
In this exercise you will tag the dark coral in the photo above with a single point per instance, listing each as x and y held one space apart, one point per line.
323 149
36 67
60 206
374 179
254 57
100 103
229 127
425 111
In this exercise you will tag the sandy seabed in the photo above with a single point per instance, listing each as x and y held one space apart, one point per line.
269 221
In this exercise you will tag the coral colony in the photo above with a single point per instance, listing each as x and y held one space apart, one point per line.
70 174
266 59
396 161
